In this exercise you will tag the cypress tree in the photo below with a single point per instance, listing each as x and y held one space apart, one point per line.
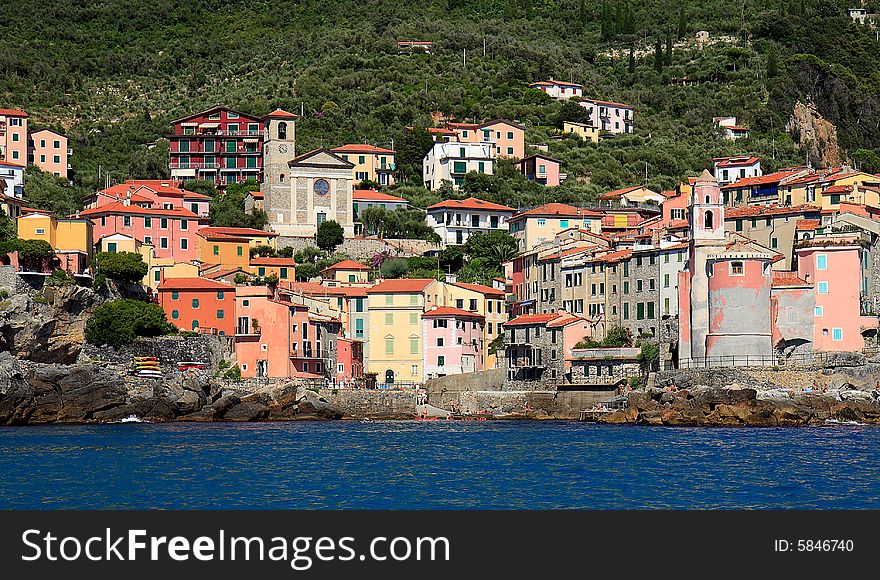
682 23
772 64
632 61
658 56
668 49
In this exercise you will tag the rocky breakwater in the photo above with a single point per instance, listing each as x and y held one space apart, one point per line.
744 406
34 393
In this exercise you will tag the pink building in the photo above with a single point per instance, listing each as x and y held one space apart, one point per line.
508 139
349 361
48 150
541 169
453 341
837 265
278 337
171 231
198 304
162 193
13 136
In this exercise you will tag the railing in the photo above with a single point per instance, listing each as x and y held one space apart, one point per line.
527 362
242 133
818 359
193 165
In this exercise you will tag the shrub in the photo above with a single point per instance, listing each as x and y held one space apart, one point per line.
122 266
394 268
59 277
118 323
330 235
233 373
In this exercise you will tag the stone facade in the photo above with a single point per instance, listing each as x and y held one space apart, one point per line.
604 366
363 249
206 348
534 357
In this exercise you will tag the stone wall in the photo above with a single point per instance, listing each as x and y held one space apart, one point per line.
530 404
356 404
170 350
363 249
488 380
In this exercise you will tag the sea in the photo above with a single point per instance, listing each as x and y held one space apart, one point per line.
437 465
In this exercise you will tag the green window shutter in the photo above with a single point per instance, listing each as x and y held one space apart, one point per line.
650 310
239 251
640 311
216 250
283 273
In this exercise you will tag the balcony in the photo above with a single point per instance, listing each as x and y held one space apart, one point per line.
305 353
525 362
193 165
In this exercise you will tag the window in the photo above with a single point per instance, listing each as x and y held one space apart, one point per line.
638 285
389 319
563 224
650 310
283 274
472 304
542 223
148 222
626 311
459 303
459 167
359 328
651 284
163 223
126 221
195 302
261 271
184 244
836 334
413 318
510 150
175 295
640 311
819 311
358 304
835 199
439 341
157 275
413 345
184 225
821 261
163 243
666 280
389 299
175 314
709 220
774 242
823 287
737 269
489 329
220 315
626 286
475 221
414 300
56 159
216 250
239 251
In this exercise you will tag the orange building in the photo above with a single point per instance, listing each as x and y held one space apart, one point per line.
346 272
283 268
198 304
230 247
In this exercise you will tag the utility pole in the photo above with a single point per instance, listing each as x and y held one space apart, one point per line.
464 57
484 47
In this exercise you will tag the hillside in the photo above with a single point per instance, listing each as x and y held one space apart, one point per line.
113 74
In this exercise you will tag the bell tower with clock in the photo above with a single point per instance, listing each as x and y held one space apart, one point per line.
278 149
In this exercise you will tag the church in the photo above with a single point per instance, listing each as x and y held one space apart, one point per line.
303 191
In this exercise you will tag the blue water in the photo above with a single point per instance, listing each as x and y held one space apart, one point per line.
436 465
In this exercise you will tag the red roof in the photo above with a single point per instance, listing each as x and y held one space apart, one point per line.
837 189
361 148
619 192
552 82
471 203
807 225
775 177
615 257
287 262
401 286
371 195
13 113
786 278
489 291
565 320
234 233
607 103
446 311
256 194
558 209
193 284
678 225
118 207
10 163
221 273
527 319
740 161
767 210
282 113
346 265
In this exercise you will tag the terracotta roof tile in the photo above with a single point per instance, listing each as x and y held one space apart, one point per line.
193 284
487 290
401 286
371 195
446 311
361 148
471 203
346 265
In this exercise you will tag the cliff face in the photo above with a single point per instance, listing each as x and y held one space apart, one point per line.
815 134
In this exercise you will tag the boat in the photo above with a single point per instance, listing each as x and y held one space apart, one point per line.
130 419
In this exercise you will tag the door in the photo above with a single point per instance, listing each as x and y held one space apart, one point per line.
468 364
389 377
262 369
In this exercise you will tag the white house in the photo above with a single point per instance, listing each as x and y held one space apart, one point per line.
732 131
559 89
452 161
858 15
608 116
11 179
729 169
456 219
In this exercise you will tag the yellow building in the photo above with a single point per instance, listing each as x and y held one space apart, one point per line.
345 272
230 247
370 163
282 268
395 309
582 130
849 186
157 268
70 238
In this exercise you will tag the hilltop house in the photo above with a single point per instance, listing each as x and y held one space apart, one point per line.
541 169
559 89
729 169
451 161
608 116
455 220
730 129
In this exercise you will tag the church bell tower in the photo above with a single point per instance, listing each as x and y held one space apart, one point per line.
278 149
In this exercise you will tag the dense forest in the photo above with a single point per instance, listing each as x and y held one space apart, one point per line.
113 74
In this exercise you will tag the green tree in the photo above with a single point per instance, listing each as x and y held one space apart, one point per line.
394 268
682 22
479 271
55 194
227 209
571 111
410 149
330 234
118 323
126 267
497 246
7 228
33 255
617 336
668 57
305 272
203 186
649 357
772 62
632 61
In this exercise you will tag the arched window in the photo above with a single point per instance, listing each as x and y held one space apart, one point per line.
709 221
281 177
282 130
707 199
389 377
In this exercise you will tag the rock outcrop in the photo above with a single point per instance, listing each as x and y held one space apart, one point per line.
815 134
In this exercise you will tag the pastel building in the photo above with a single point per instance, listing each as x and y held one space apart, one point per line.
729 169
171 232
230 247
729 128
541 169
559 89
582 130
162 193
724 293
608 116
453 342
346 272
838 267
451 161
364 198
395 317
72 239
13 137
349 361
49 150
485 301
218 144
281 268
455 220
198 304
371 163
545 222
11 179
